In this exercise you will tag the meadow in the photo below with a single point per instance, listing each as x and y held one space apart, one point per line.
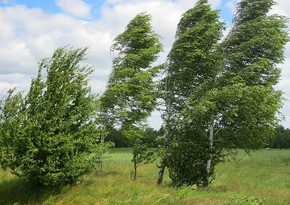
260 178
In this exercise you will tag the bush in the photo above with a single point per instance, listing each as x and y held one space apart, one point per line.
50 135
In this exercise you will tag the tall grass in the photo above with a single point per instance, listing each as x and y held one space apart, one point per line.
262 178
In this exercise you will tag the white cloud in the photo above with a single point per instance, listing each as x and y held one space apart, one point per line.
27 35
16 53
14 80
75 7
231 5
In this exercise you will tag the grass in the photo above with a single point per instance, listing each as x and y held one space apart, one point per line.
262 178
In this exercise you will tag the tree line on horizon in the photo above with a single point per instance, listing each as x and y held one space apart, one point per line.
216 94
280 139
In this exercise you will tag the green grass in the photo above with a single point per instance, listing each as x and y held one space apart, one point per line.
262 178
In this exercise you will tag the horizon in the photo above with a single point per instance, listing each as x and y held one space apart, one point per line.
32 30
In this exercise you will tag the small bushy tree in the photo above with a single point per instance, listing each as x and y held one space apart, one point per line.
50 135
131 93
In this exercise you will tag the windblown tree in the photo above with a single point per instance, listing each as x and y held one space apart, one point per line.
50 135
192 61
131 93
229 100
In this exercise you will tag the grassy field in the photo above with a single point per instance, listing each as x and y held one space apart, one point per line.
262 178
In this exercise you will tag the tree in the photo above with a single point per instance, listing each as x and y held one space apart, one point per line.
54 137
192 61
131 91
117 138
231 102
280 138
150 137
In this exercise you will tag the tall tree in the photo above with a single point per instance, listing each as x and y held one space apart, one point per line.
233 102
192 61
55 138
131 91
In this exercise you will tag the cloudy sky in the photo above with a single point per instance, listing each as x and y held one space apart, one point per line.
33 29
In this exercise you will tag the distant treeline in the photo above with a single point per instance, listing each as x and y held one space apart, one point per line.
150 137
281 138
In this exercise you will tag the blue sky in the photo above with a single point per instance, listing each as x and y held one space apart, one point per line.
33 29
51 6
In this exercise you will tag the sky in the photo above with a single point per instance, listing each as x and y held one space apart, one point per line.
33 29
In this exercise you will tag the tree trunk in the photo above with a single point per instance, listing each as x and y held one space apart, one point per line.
100 162
135 169
100 167
160 175
167 125
165 146
208 165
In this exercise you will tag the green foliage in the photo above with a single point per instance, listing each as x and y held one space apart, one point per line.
118 138
220 95
192 63
141 152
280 138
149 136
192 54
244 200
187 157
239 111
131 93
52 136
255 44
12 140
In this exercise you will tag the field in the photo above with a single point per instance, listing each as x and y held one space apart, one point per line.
261 178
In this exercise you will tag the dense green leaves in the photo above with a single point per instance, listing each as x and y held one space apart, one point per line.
55 137
131 93
280 138
219 94
11 130
256 44
193 63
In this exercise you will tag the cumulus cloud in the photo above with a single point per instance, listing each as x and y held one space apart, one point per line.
28 35
75 7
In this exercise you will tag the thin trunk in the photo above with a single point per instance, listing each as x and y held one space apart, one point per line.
165 145
166 131
208 165
135 169
160 175
100 162
103 135
100 167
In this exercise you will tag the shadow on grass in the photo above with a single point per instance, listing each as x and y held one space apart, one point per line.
18 191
